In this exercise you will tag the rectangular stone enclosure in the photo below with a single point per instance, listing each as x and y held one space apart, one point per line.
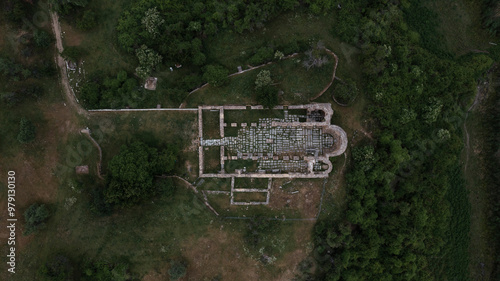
284 142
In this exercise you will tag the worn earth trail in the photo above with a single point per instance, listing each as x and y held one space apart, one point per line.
70 96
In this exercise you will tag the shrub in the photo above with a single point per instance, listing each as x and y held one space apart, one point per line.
27 131
177 270
41 38
262 55
35 217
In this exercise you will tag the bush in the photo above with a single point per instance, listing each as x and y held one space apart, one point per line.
27 131
41 38
264 54
177 270
216 75
35 217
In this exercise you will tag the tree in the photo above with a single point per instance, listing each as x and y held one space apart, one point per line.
267 96
263 79
41 38
262 55
27 131
216 75
132 172
148 60
177 270
152 21
35 217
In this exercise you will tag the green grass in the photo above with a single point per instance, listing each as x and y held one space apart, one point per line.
458 256
232 49
145 236
251 183
250 116
100 43
296 83
223 184
112 130
212 160
250 196
480 249
460 23
211 124
231 165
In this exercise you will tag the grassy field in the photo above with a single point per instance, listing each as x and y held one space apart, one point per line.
211 124
460 23
295 83
481 256
112 130
250 183
232 49
250 196
223 184
250 116
212 160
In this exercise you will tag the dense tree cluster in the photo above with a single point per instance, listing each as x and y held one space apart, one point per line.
398 215
132 172
110 92
216 75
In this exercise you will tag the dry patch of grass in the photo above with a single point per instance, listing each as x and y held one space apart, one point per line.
302 195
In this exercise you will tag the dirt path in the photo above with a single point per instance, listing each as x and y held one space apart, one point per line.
70 95
333 75
482 91
99 164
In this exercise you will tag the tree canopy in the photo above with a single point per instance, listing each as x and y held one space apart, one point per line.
132 172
